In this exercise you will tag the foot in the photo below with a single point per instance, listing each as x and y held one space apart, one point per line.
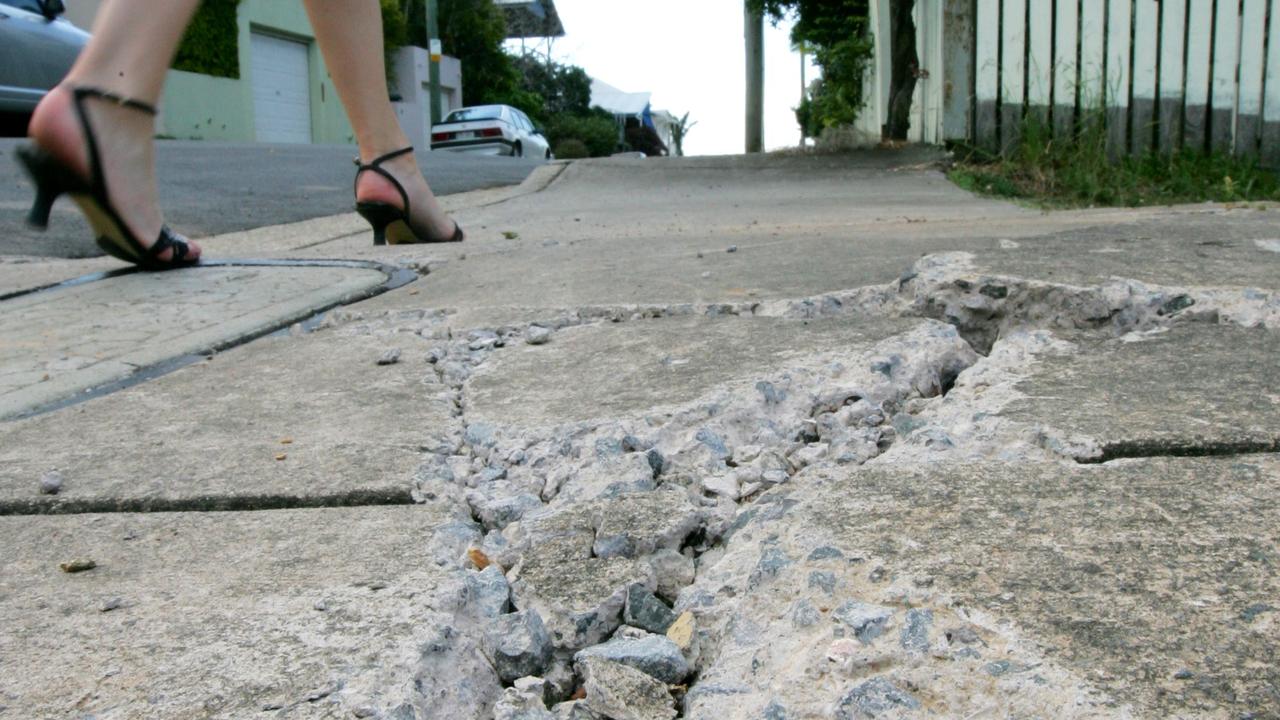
427 215
126 149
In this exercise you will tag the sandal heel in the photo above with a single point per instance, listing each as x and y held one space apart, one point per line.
51 181
385 217
379 216
53 178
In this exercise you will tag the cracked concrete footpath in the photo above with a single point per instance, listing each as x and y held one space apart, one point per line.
770 437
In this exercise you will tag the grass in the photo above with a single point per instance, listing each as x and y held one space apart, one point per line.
1076 171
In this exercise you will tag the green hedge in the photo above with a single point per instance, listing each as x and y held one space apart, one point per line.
211 45
596 131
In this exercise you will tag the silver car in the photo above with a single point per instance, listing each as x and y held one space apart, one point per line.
490 130
37 48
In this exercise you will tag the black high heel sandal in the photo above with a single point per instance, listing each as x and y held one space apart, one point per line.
54 178
389 222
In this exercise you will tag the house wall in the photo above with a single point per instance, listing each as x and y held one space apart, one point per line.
202 107
413 85
207 108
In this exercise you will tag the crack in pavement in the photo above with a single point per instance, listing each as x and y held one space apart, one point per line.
561 528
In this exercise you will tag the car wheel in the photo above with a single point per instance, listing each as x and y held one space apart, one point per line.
517 150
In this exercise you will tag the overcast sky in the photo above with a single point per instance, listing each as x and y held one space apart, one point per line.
690 55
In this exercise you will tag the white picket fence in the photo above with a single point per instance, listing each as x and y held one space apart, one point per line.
1162 74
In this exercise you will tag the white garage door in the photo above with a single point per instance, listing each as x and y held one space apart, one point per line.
281 90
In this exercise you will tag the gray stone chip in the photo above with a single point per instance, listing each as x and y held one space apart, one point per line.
518 645
645 611
617 691
655 656
488 592
537 335
51 483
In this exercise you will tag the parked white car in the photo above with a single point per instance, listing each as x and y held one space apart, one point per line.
490 130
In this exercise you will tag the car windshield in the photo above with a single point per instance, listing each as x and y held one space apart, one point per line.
485 112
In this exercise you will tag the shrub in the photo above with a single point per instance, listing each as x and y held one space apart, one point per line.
211 44
571 149
595 130
838 34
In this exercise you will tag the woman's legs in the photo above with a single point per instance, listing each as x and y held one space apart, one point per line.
131 50
350 36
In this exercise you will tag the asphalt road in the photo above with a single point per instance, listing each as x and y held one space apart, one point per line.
211 188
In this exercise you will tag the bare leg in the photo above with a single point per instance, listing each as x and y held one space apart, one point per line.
132 48
350 36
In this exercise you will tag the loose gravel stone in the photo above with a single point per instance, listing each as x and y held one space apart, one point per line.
480 340
656 656
673 571
488 593
518 645
51 483
78 565
498 510
616 691
523 701
449 543
390 357
537 335
112 604
722 485
644 610
682 631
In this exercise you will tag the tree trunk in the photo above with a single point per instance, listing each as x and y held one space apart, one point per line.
906 66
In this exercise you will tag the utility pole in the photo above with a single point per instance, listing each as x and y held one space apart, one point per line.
754 31
804 87
435 51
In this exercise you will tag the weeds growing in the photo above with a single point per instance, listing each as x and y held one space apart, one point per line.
1077 171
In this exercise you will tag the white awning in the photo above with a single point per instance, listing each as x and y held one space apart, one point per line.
618 102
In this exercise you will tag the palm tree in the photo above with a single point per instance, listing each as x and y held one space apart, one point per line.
679 131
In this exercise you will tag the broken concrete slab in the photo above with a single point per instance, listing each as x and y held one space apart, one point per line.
614 370
580 599
577 563
304 613
285 421
1138 588
1195 389
65 340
